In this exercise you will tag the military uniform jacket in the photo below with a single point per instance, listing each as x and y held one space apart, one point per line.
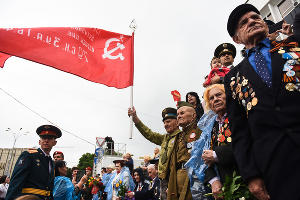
181 154
31 171
226 163
166 141
265 121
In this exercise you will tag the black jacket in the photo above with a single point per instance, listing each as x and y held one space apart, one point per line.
266 135
226 163
152 192
31 171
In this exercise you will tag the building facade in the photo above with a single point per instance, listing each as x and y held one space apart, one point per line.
277 10
8 159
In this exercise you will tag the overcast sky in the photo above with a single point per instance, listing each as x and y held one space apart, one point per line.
174 43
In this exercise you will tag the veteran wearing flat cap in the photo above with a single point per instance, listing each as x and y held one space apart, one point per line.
34 170
262 96
166 141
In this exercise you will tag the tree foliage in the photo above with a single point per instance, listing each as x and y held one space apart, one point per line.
86 160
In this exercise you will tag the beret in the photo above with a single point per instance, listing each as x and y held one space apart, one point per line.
235 16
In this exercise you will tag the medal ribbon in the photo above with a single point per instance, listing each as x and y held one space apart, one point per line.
283 43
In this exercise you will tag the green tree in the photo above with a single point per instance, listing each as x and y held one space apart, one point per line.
86 160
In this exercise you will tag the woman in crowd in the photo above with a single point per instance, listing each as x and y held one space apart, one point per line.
141 186
193 98
120 177
4 183
63 187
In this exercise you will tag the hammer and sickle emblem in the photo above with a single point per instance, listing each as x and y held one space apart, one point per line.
107 54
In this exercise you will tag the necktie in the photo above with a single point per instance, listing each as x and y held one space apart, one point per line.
261 66
48 158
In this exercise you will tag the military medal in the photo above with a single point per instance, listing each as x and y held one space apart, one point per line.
249 106
244 102
229 139
290 73
290 87
192 135
245 82
240 95
221 138
254 101
233 95
295 49
232 83
227 133
238 88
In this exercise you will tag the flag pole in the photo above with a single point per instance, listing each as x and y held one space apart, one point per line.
131 105
133 28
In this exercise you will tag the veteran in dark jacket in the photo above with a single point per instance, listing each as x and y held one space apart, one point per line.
262 96
220 157
34 170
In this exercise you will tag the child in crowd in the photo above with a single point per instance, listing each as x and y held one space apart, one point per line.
217 72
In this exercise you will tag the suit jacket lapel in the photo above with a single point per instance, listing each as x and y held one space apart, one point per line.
248 71
277 66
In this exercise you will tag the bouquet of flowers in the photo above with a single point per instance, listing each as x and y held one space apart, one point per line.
122 189
234 188
95 184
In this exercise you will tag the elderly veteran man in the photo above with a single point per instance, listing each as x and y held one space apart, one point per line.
179 187
220 153
166 141
262 97
34 170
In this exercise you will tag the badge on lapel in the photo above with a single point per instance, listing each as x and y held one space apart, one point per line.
243 91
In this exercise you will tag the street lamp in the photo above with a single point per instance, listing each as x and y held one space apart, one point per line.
16 136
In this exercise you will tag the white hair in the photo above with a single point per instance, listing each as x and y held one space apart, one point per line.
151 166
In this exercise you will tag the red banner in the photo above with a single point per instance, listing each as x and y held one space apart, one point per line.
94 54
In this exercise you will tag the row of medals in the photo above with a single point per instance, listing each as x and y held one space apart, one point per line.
242 90
224 133
292 60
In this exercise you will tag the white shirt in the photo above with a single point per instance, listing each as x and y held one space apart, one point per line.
3 190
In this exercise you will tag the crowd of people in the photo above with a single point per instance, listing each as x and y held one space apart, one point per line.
242 141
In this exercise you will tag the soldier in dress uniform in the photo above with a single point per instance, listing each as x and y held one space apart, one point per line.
34 170
226 52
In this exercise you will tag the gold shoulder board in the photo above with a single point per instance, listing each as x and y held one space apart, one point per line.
32 150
